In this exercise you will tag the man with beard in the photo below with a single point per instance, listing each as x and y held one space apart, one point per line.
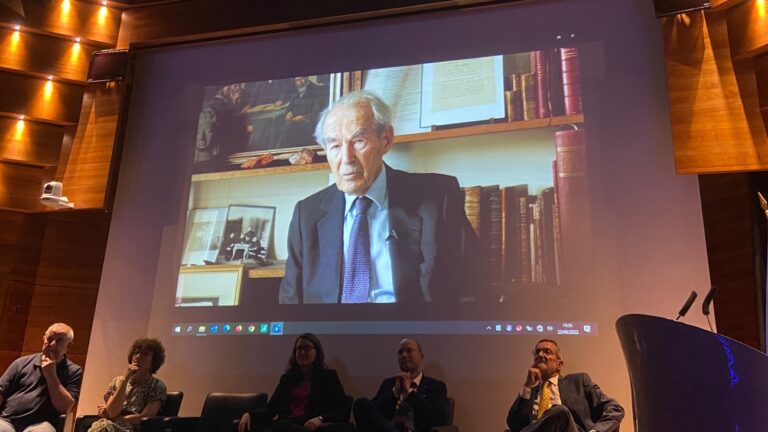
36 388
408 402
553 403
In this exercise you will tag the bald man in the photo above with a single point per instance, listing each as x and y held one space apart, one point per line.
36 388
409 401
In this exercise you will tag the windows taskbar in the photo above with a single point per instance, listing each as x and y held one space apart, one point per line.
278 328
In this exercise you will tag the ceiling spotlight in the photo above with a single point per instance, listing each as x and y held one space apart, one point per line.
21 117
77 39
50 77
17 27
104 2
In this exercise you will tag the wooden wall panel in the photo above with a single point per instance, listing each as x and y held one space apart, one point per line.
20 186
68 277
55 101
727 202
748 28
45 55
80 18
10 227
716 122
29 141
87 169
21 236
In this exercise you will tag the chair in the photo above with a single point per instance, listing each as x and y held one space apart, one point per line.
448 426
169 409
221 413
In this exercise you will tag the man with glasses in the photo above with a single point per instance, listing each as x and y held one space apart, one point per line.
549 402
36 388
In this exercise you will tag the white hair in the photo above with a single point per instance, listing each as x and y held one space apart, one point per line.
382 114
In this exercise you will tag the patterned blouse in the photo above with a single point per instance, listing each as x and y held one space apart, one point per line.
136 399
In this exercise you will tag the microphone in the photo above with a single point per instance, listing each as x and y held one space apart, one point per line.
687 305
706 303
392 235
708 300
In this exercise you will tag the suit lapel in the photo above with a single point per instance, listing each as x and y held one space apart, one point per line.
330 229
404 245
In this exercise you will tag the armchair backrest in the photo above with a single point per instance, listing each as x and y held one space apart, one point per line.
220 410
449 408
172 405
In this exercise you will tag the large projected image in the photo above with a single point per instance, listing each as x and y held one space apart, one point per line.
508 214
542 128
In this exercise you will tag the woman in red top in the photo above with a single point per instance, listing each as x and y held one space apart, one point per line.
309 395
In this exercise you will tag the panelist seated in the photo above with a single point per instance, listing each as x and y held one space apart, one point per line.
37 388
378 235
549 402
136 394
309 395
409 401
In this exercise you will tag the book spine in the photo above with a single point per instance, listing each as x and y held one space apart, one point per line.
548 253
574 201
542 86
556 224
529 96
492 196
472 207
555 81
571 81
525 241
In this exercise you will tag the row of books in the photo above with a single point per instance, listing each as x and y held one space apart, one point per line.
519 233
551 88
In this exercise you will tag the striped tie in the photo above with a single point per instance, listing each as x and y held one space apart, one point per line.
545 399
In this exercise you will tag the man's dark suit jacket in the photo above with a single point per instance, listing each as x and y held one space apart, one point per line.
326 398
590 407
429 241
429 402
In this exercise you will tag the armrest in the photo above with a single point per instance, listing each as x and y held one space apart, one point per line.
175 424
84 422
154 424
445 429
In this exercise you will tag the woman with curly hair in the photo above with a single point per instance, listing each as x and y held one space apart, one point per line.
308 396
136 394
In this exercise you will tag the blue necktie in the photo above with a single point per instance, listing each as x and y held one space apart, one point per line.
357 267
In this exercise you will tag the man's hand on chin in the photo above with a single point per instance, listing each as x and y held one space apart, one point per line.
533 378
48 365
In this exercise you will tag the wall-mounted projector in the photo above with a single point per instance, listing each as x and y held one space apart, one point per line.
51 196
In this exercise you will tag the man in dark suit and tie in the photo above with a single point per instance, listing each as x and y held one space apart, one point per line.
378 235
408 402
553 403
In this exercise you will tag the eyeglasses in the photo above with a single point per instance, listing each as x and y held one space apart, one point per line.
304 348
546 351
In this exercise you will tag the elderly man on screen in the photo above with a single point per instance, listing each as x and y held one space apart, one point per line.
378 235
553 403
36 388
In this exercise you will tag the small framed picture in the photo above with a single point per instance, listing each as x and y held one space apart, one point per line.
247 235
205 231
214 285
